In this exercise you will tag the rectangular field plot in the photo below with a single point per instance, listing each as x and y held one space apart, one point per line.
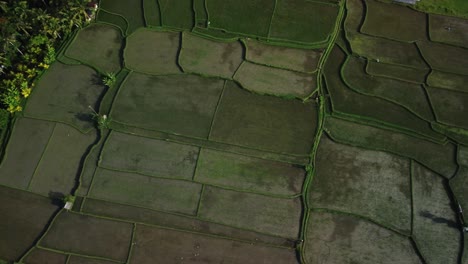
190 224
41 256
394 21
451 81
362 182
179 104
264 122
153 52
435 225
250 17
396 72
177 14
147 156
385 50
445 57
273 81
447 29
157 245
411 96
371 109
268 215
303 21
449 106
249 174
354 239
303 60
64 93
98 45
24 216
438 157
61 161
24 150
208 57
86 235
145 191
131 11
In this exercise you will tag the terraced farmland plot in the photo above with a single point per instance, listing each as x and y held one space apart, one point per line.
249 18
143 55
26 145
103 54
302 21
444 57
369 109
180 222
394 22
271 81
381 192
439 157
52 153
265 123
24 217
302 60
175 246
353 239
180 104
386 50
450 30
435 223
409 95
201 14
114 19
151 157
249 174
61 160
65 94
450 106
98 237
152 13
146 191
451 81
176 14
131 12
288 131
397 72
264 214
40 256
207 57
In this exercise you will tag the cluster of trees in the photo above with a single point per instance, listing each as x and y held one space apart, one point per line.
30 33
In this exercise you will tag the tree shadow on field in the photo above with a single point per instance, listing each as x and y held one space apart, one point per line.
84 117
56 198
97 79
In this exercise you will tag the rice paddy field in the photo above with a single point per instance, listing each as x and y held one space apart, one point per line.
261 131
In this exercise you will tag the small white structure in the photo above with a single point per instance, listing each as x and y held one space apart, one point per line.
68 205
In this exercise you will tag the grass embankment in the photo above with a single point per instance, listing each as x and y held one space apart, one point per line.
457 8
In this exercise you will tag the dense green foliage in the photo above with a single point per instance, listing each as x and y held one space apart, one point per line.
30 33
